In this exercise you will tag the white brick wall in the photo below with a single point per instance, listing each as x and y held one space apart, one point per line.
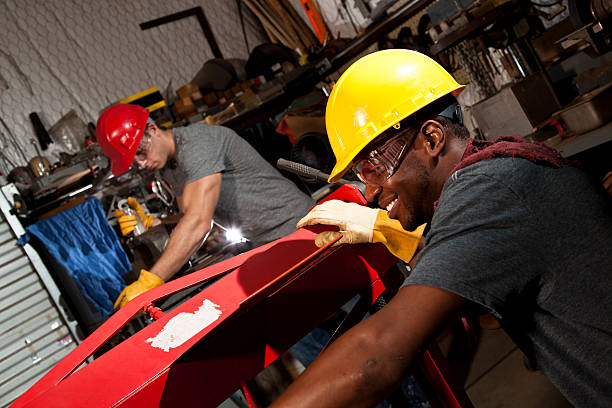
84 55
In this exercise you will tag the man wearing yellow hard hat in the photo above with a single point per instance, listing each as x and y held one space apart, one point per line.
512 230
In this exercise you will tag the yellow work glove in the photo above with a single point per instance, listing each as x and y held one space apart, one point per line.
360 224
147 220
127 223
146 281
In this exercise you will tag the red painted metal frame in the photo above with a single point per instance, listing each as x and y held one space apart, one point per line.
269 298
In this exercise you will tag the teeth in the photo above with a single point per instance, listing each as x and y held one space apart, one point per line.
390 205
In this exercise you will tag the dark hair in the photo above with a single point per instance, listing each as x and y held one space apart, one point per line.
456 129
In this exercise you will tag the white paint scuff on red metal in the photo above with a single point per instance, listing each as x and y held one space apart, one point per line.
184 326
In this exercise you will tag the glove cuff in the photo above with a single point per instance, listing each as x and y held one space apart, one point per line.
148 221
401 243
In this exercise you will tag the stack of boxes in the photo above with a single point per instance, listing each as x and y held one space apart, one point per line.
191 101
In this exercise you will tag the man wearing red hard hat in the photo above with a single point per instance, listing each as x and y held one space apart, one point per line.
217 174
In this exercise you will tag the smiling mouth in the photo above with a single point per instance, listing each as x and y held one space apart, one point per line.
391 204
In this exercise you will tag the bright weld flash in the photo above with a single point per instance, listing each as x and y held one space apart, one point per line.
234 235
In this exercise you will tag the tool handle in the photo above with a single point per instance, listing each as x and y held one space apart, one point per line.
36 147
39 130
304 171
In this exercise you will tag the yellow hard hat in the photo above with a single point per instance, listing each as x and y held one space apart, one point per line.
377 92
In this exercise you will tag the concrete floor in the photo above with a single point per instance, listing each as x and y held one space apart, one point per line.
499 378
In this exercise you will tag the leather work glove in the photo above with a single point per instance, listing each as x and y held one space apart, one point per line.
147 220
128 222
360 224
146 281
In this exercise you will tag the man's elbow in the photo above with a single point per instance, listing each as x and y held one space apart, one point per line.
380 369
203 227
198 226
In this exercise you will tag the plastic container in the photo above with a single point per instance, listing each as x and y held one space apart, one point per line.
70 132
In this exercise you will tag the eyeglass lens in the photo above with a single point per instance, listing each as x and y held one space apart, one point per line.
145 142
381 163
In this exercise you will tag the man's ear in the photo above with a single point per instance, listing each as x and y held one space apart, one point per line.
434 137
153 129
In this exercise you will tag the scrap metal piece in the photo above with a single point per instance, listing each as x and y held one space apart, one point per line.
163 192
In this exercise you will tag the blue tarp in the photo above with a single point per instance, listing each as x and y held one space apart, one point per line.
83 242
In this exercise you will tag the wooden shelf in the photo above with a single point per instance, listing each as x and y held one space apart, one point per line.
472 27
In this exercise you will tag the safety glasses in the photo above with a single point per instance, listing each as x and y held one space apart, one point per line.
143 147
382 162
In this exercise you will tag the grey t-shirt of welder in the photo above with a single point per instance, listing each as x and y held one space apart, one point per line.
254 196
533 244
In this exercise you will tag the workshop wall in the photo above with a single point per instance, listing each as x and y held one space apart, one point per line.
60 55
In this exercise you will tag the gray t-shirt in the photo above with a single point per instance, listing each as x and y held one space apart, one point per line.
533 244
254 196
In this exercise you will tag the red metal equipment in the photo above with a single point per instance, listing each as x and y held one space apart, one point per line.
206 348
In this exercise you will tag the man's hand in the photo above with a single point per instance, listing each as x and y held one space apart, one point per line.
360 224
145 281
147 220
128 222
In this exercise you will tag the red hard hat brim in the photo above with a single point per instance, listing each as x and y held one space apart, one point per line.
118 167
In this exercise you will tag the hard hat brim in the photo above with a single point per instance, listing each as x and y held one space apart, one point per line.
118 167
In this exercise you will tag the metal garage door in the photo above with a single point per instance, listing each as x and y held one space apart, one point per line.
33 335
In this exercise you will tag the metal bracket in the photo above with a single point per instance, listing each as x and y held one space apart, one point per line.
199 14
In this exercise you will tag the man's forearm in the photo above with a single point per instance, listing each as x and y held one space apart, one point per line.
358 370
184 241
369 361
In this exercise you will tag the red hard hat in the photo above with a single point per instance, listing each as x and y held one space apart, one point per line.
119 131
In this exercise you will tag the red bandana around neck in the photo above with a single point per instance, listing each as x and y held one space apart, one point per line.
509 146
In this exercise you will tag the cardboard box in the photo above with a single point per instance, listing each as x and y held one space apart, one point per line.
211 99
187 90
184 108
301 125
